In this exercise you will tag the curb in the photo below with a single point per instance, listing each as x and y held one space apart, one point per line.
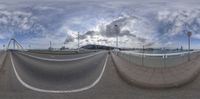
166 77
2 59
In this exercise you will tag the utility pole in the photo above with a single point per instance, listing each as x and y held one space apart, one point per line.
50 46
78 42
189 34
117 34
96 43
143 55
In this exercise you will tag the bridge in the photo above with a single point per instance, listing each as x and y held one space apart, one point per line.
97 74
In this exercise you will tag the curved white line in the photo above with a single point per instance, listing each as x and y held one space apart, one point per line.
58 91
60 60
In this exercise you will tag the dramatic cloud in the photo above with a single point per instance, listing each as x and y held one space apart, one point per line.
179 21
151 23
18 22
127 28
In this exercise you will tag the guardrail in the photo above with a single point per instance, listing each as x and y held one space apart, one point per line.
158 60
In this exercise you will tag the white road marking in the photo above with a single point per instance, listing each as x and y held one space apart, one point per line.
58 91
47 59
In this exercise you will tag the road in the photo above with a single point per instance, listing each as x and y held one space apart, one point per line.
110 86
53 56
51 75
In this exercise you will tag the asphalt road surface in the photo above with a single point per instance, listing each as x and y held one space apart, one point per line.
35 73
51 75
53 56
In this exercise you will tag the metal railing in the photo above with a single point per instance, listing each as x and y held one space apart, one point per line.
158 60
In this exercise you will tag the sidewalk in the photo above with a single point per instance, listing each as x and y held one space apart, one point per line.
162 77
2 58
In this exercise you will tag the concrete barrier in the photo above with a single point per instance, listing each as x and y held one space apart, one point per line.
163 77
3 55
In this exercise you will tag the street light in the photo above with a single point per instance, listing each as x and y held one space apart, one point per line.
189 34
143 55
78 42
50 46
117 33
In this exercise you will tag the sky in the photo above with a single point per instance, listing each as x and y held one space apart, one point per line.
152 23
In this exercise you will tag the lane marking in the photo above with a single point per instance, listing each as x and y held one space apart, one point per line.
58 91
60 60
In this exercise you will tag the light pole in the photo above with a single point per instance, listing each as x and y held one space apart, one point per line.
96 43
50 46
78 42
143 55
189 34
117 34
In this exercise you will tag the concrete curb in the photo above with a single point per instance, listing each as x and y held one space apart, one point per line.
150 77
2 59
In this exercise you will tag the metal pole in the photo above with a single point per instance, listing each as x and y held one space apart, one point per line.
117 41
78 42
50 47
96 43
143 55
189 35
188 48
165 57
117 33
50 44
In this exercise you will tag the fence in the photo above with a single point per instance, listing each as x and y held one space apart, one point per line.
158 60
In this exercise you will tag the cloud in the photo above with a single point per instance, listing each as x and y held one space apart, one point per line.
113 29
19 23
151 23
126 30
178 22
69 39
